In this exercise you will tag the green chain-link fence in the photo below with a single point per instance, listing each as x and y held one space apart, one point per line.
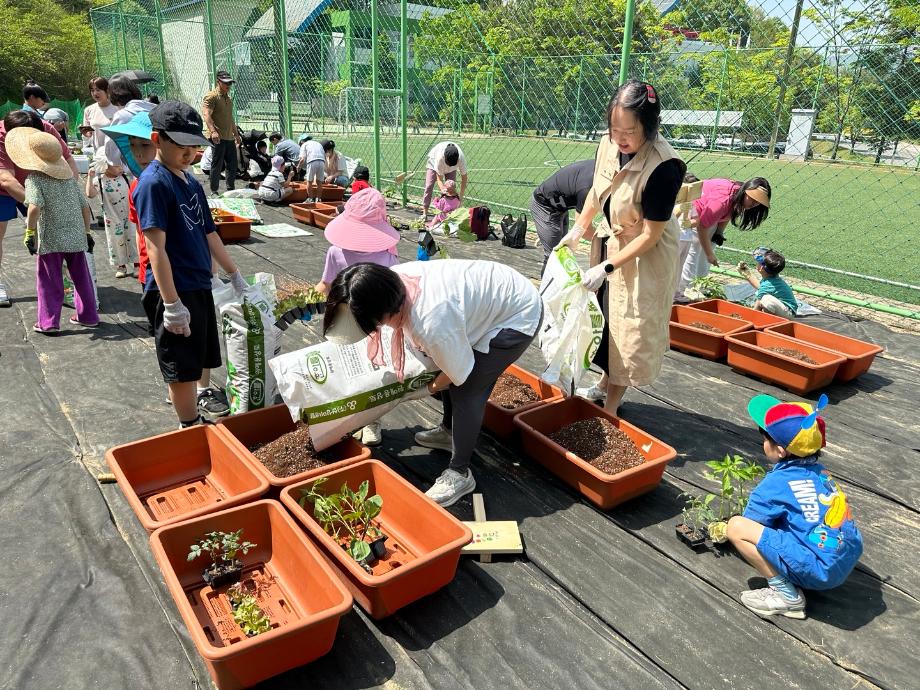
821 97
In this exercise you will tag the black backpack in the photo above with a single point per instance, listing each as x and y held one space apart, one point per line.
514 232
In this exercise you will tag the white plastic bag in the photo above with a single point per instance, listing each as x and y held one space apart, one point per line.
572 322
337 389
251 339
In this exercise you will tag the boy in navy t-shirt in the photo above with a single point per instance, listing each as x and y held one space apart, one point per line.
174 216
797 530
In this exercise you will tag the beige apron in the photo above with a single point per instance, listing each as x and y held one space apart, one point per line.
639 293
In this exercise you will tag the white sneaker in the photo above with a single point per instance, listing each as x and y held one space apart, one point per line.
370 435
4 296
450 487
769 602
593 393
438 438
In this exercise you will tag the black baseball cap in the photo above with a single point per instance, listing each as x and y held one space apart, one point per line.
225 77
180 121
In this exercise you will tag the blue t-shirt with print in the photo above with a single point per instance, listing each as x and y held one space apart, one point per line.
779 288
800 499
180 209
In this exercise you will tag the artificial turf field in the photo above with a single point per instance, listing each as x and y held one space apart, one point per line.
861 219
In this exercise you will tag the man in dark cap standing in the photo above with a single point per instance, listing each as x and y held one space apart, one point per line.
217 112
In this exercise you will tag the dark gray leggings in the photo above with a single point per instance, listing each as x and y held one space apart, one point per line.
465 405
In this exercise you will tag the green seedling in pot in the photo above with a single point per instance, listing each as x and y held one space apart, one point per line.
347 517
698 513
733 474
709 287
300 298
224 549
246 612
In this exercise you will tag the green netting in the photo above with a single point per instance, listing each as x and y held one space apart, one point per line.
821 97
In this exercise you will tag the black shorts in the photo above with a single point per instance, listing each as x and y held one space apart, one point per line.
182 358
149 301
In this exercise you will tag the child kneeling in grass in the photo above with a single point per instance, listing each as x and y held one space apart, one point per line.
181 238
797 530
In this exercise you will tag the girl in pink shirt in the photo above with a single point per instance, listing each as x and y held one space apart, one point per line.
744 204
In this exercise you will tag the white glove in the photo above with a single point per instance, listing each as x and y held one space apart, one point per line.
239 283
176 318
572 238
216 283
594 277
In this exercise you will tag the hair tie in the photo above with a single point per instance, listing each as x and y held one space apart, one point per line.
651 93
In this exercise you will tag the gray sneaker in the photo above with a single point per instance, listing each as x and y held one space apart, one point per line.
438 438
450 487
768 602
4 297
212 404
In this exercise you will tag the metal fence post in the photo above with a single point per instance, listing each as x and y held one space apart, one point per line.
523 89
404 91
627 40
92 23
212 65
165 75
124 34
375 99
140 40
715 126
281 37
784 80
581 70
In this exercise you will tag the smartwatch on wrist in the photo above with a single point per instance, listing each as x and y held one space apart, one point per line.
608 268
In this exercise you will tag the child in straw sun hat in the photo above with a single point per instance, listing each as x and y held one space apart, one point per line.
59 216
360 234
797 530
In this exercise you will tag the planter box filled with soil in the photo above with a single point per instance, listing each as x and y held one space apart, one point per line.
858 353
322 219
331 192
304 211
281 451
759 319
605 458
230 227
286 579
792 364
422 546
299 194
701 332
516 391
183 474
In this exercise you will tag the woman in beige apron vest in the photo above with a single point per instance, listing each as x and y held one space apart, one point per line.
634 268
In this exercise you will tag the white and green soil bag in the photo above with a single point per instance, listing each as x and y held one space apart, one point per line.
251 339
572 322
337 389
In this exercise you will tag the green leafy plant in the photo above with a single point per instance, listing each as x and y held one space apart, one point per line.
299 298
346 515
246 612
417 225
697 512
709 287
732 473
222 547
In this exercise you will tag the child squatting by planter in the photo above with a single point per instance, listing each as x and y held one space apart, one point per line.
797 530
774 295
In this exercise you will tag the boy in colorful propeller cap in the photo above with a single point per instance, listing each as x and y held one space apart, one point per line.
797 530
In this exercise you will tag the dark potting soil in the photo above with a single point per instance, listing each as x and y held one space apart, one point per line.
599 443
290 454
704 326
795 354
510 392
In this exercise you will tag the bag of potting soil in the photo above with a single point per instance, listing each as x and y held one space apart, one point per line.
251 339
337 389
572 321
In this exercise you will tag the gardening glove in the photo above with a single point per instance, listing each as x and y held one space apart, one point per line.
176 318
594 277
572 237
30 241
90 243
239 283
216 283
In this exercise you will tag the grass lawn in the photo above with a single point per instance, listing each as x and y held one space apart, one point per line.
854 218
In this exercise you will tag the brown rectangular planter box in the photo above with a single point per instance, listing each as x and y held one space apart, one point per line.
331 192
299 194
602 489
748 353
760 319
297 590
859 354
500 421
423 547
183 474
234 229
322 219
699 341
304 211
262 426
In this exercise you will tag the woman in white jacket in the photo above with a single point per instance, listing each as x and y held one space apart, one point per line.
112 174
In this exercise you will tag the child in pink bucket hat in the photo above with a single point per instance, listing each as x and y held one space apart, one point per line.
361 234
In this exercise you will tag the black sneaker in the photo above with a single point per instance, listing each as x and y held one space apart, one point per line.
213 403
